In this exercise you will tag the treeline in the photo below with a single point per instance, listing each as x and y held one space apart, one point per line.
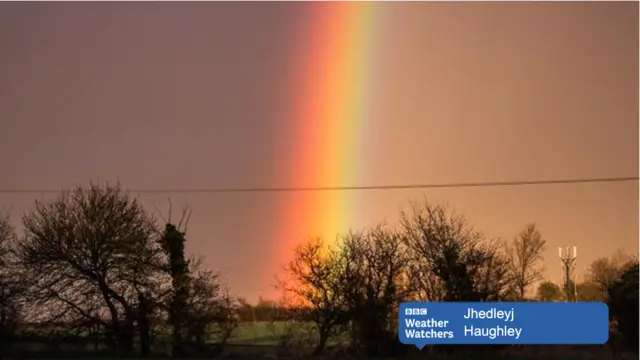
596 281
356 286
95 264
613 280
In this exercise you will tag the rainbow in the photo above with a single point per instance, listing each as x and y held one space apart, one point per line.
334 78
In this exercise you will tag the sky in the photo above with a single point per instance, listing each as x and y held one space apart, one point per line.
201 95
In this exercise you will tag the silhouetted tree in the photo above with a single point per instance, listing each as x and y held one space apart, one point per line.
525 254
12 286
144 323
265 309
90 251
196 301
623 306
588 291
172 242
549 291
605 271
375 282
211 310
246 311
313 279
457 262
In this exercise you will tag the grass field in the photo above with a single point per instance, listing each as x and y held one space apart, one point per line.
264 335
269 333
265 340
260 333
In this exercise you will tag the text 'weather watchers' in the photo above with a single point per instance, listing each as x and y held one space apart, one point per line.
469 330
503 323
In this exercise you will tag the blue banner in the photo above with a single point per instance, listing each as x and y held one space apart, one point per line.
503 323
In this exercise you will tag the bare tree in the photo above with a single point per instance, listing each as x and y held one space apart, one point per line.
88 252
525 257
605 271
623 301
453 260
375 282
313 278
12 285
246 311
588 291
211 310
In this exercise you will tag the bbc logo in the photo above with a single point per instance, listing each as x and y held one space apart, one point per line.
416 311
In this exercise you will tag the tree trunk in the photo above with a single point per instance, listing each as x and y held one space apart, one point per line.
3 323
178 348
125 338
144 326
324 336
96 338
113 312
145 340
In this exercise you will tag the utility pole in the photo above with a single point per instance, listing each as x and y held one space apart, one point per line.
568 256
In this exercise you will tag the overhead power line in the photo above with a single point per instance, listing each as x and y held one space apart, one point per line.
349 188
